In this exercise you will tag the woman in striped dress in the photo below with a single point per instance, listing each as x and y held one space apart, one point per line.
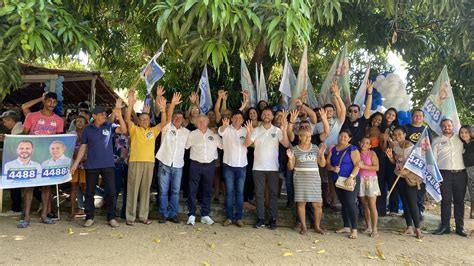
304 159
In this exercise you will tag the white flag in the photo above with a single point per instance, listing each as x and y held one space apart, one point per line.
285 86
262 87
360 96
205 100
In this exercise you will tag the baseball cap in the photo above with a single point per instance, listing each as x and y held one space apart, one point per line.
10 114
98 109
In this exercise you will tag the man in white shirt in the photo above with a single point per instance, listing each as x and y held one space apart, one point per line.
11 121
265 166
447 150
171 157
203 144
235 166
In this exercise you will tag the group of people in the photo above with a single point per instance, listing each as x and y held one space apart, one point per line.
320 155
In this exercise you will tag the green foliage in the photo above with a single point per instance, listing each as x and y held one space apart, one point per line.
37 29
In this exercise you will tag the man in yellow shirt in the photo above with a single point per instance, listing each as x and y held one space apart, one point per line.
142 157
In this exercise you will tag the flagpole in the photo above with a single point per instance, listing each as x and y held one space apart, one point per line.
393 186
57 201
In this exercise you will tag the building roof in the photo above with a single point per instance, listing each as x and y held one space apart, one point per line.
76 86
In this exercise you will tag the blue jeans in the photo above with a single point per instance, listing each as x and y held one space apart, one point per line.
234 178
169 177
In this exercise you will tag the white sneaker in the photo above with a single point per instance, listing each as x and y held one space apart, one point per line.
191 220
10 213
207 220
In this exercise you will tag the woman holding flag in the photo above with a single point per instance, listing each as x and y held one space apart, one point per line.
398 156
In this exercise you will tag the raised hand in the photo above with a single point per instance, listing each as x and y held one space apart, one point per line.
389 153
225 122
176 98
304 94
294 115
290 154
193 97
249 126
118 103
370 86
221 93
245 94
298 102
131 98
322 114
225 96
334 88
386 135
161 102
160 91
284 119
146 108
322 147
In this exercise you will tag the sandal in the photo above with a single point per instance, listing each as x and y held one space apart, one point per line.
48 221
419 235
353 235
147 222
343 230
23 224
367 231
130 223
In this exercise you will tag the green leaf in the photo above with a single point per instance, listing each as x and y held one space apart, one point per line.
189 4
6 10
273 24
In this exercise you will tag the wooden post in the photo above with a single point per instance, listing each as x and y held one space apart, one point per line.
93 91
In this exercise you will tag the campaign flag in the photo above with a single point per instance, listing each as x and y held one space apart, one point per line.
247 85
152 71
302 79
205 101
312 101
423 164
34 160
440 104
362 92
262 87
339 71
285 84
257 82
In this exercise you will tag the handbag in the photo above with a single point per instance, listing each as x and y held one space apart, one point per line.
341 180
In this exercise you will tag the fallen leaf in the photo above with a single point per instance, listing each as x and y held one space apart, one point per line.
157 241
280 243
118 236
18 237
287 254
182 233
316 241
205 263
380 253
83 234
92 229
70 231
321 251
419 240
199 229
212 245
367 255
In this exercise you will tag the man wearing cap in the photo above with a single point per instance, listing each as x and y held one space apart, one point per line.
97 139
43 122
11 121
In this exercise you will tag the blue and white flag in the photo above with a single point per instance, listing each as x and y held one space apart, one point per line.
205 101
423 164
440 105
246 83
262 87
285 83
362 92
153 72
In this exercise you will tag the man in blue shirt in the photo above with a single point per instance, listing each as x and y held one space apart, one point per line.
97 139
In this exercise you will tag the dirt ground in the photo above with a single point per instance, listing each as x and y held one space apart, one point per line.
69 243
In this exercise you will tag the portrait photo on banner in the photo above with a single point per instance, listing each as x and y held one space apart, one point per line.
30 161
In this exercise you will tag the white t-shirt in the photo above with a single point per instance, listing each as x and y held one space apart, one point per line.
173 142
235 151
266 148
203 146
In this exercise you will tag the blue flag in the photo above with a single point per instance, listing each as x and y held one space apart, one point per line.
153 72
205 101
423 164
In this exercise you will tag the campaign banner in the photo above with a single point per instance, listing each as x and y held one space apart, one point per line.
422 163
153 71
440 104
33 161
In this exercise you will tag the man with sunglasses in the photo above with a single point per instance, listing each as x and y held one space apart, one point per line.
356 123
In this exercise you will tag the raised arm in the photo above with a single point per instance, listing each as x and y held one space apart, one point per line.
311 114
193 101
291 126
248 138
321 157
284 126
291 159
368 104
131 102
217 106
324 119
160 91
118 113
174 101
339 104
161 104
245 103
25 108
